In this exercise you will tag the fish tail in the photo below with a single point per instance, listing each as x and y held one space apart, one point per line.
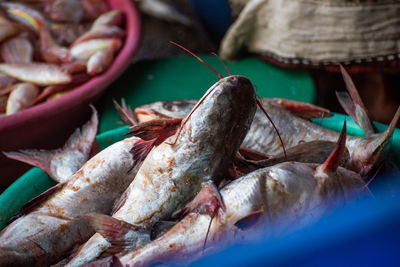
38 158
82 140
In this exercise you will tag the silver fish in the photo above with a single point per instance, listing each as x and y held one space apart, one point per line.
285 196
174 172
51 225
294 130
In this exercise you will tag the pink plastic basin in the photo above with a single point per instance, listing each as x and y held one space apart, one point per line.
47 125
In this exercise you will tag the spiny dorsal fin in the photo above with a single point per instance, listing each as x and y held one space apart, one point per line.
125 113
334 159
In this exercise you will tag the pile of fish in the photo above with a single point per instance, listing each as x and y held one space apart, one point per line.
50 47
195 177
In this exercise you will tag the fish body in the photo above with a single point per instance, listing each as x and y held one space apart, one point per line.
289 194
84 50
36 73
17 50
294 130
21 97
174 172
48 230
100 61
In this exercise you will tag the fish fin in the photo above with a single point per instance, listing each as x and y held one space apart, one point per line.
356 112
39 158
109 227
120 234
250 154
301 109
333 161
207 201
125 113
141 149
351 88
250 220
159 129
160 228
354 106
35 202
81 140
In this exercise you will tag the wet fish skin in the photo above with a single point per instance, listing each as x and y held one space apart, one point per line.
110 18
36 73
289 195
84 50
199 154
172 174
100 61
44 235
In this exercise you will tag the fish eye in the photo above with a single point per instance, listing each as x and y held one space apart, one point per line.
168 106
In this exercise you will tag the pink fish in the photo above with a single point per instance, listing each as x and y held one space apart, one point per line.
21 97
36 73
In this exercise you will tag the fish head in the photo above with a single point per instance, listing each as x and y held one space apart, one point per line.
226 111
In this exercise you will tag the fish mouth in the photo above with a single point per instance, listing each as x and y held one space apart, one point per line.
237 81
